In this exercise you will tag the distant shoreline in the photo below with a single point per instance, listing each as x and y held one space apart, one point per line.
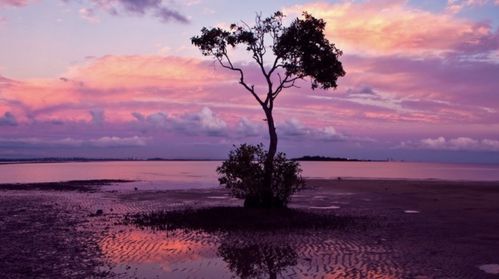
83 160
306 158
91 160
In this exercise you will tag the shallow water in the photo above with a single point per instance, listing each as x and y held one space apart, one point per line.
180 254
202 174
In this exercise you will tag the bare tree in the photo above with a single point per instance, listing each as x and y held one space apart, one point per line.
299 51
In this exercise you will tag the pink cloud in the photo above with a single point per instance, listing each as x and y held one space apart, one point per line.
139 71
16 3
118 84
393 27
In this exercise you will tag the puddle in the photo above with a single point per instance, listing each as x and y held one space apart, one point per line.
490 268
411 211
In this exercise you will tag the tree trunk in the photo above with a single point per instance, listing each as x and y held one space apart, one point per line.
268 197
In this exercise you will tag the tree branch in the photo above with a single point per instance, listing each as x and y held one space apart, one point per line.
231 66
287 82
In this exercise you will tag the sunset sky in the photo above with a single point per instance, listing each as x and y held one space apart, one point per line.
120 78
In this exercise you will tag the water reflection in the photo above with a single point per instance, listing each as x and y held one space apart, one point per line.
134 252
249 259
179 254
148 254
228 242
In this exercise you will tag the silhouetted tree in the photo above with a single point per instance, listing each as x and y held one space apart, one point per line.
299 51
243 173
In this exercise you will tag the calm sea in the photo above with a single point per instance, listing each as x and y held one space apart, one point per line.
201 174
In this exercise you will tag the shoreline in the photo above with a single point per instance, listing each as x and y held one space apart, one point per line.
422 229
90 183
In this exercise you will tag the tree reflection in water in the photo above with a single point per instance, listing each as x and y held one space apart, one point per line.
254 242
255 260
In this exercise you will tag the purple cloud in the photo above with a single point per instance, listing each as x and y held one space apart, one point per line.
204 121
8 119
98 116
247 128
134 7
456 144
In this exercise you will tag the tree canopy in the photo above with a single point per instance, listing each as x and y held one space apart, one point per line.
301 50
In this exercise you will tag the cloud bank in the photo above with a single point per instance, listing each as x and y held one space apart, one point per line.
377 27
155 8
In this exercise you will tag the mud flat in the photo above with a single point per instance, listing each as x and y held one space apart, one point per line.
334 229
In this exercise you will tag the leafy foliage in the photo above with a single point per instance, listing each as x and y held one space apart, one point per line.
243 175
301 50
305 51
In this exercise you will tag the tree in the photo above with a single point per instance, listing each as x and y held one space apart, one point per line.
299 51
243 172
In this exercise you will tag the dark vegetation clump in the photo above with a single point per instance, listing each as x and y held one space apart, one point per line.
243 174
75 185
230 219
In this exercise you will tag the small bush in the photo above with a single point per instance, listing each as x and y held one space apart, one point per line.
243 175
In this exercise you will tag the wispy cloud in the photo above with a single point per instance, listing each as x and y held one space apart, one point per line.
457 144
456 6
107 141
16 3
156 8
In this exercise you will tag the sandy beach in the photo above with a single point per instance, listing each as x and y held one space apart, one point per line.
367 229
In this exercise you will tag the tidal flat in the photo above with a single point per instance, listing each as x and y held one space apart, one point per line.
332 229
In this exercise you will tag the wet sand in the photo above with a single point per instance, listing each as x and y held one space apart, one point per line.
401 229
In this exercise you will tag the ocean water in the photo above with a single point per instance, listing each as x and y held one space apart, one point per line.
202 174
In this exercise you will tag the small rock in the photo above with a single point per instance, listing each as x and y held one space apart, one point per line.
99 212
